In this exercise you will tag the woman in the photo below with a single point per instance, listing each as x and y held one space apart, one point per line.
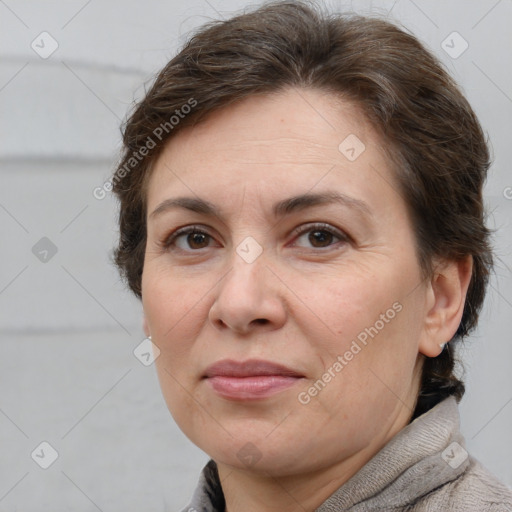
301 214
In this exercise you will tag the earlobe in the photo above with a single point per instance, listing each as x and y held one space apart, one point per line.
145 327
448 289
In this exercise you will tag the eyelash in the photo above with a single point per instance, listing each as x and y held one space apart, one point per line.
169 241
321 226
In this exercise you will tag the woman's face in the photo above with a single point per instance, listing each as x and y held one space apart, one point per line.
281 285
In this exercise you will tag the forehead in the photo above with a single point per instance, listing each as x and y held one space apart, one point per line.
289 141
315 117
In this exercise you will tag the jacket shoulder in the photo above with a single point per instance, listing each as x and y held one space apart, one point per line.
474 490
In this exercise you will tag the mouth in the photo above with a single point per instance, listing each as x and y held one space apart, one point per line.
249 380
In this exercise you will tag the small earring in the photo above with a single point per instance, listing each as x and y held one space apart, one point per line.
149 337
442 345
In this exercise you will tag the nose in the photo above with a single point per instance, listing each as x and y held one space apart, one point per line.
249 298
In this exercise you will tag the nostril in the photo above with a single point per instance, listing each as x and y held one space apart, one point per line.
261 321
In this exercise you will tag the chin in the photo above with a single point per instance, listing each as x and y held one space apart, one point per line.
257 451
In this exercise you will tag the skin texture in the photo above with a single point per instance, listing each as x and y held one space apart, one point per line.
301 303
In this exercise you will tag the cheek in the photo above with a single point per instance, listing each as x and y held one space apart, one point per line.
175 314
369 317
174 309
370 360
187 411
344 304
166 297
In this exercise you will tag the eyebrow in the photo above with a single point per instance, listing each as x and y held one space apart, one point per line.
280 209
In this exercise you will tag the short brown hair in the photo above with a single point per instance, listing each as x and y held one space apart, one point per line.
434 139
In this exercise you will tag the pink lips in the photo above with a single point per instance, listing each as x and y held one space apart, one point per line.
249 380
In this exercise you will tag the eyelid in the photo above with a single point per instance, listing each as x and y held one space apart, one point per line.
321 226
185 230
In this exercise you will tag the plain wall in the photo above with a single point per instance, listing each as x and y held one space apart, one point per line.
68 375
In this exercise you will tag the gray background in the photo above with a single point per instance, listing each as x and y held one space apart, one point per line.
68 375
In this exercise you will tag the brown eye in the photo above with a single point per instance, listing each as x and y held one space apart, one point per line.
197 240
320 238
188 239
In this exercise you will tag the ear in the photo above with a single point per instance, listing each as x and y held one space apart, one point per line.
145 327
446 298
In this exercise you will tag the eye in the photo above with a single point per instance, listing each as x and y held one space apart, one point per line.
318 236
190 238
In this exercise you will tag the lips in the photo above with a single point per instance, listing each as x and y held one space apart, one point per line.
249 380
250 368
